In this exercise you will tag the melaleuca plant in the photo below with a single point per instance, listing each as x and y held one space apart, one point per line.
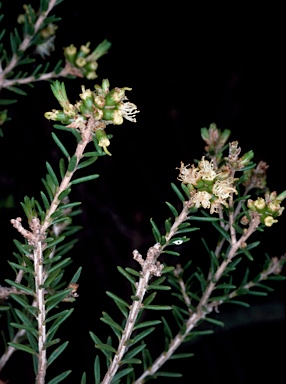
216 190
40 261
33 40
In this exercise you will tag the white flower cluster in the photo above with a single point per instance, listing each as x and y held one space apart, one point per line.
209 188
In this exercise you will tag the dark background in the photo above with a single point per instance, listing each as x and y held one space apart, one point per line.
187 67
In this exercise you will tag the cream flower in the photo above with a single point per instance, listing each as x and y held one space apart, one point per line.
223 188
128 111
202 199
189 175
207 171
216 204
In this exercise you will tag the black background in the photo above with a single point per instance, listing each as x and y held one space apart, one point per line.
187 67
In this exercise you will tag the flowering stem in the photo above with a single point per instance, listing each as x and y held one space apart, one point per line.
25 43
40 303
133 314
202 308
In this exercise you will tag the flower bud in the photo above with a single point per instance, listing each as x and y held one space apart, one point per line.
103 140
269 221
70 53
91 75
99 101
105 86
80 62
259 203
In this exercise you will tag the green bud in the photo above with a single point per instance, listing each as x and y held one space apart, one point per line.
97 114
108 114
114 96
84 50
91 66
103 140
98 89
58 116
87 98
99 101
80 62
70 53
105 85
91 75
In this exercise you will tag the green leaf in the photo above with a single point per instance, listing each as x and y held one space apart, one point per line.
7 102
225 286
246 252
159 287
132 272
122 309
83 379
168 374
130 361
105 347
64 194
172 209
51 343
108 320
55 242
22 300
55 354
214 321
58 321
171 252
17 90
86 163
45 201
118 299
147 324
158 307
221 230
143 334
202 218
148 300
52 174
167 269
73 131
257 293
121 374
185 230
21 267
72 163
85 178
178 193
58 67
22 347
20 286
53 300
181 356
60 145
70 205
97 370
126 275
156 231
59 378
26 328
238 302
76 276
134 351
